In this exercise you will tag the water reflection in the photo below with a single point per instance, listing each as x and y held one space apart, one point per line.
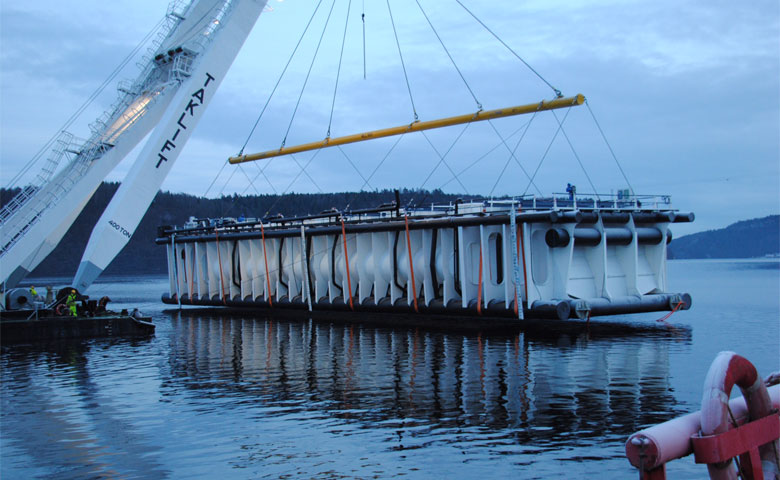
217 395
55 410
544 390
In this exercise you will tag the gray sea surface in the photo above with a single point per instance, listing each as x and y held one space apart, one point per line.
218 395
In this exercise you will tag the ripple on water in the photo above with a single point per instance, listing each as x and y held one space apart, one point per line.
213 394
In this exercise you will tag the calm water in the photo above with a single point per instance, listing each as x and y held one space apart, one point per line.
219 396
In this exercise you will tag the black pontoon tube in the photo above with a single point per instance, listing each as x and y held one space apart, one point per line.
555 309
559 237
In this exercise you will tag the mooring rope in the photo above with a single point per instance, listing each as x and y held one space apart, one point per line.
666 317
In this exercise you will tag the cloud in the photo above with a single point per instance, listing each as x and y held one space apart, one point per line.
688 95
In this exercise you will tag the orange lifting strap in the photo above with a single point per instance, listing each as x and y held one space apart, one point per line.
265 257
346 262
219 258
411 265
521 254
417 126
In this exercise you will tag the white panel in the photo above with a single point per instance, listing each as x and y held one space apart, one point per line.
247 268
171 270
213 269
257 268
365 265
446 263
430 290
561 261
645 277
320 266
627 255
581 279
495 273
616 278
383 269
203 269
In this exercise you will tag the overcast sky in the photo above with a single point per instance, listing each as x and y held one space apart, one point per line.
687 93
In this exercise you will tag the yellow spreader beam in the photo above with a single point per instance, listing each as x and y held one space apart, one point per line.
416 127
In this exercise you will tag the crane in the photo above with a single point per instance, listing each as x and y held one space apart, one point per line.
196 46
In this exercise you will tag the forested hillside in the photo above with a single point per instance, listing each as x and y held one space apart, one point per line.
750 238
141 255
758 237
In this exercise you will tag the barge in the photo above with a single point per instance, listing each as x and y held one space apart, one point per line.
53 327
561 257
24 317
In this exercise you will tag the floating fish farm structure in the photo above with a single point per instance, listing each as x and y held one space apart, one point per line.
525 258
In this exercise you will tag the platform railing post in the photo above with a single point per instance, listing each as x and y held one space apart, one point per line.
515 261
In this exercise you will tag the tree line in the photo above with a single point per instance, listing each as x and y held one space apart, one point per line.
750 238
143 256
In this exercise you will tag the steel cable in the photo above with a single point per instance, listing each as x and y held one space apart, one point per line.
571 146
338 71
279 80
479 105
609 147
308 74
557 92
544 156
512 154
403 65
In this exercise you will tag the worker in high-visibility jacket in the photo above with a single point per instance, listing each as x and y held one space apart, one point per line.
70 302
33 293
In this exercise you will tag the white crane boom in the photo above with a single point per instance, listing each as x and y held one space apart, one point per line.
128 206
196 46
